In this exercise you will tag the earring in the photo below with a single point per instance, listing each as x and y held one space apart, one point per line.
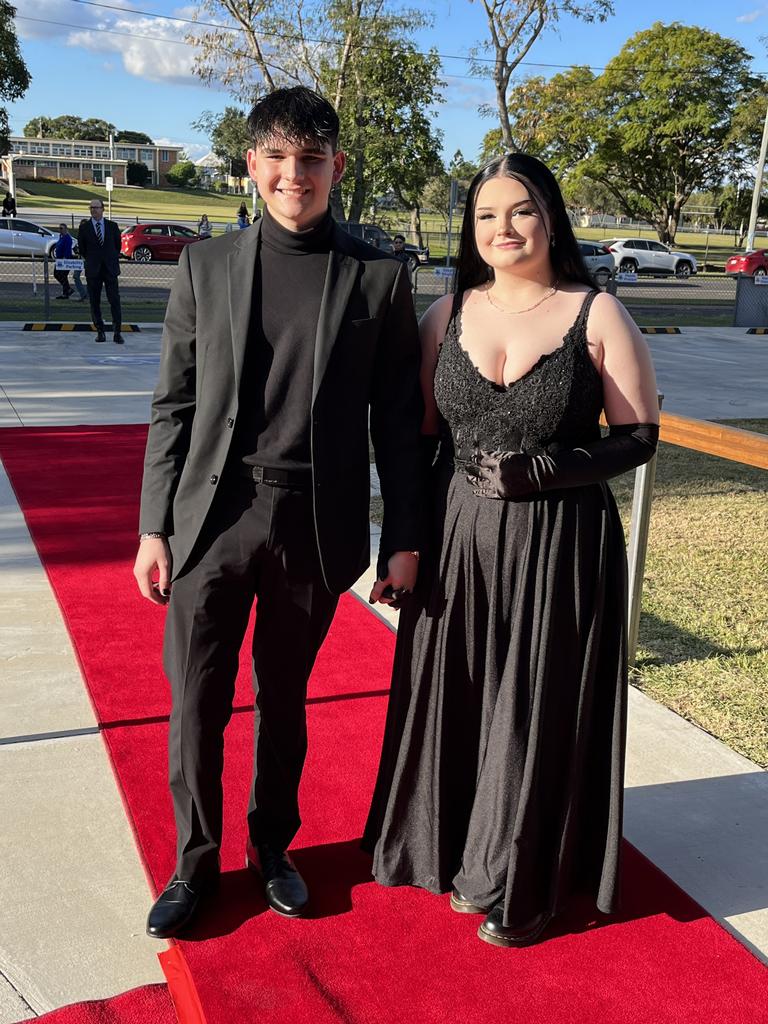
552 241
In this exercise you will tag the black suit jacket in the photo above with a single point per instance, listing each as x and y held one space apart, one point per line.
98 258
365 369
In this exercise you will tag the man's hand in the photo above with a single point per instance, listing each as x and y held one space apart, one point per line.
154 556
402 569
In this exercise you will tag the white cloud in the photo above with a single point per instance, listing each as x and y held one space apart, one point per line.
467 94
752 15
194 150
163 58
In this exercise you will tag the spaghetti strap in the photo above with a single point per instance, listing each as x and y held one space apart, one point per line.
581 319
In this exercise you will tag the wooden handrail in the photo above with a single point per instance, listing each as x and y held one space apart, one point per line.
745 446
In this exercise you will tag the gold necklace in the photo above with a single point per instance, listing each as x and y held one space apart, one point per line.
515 312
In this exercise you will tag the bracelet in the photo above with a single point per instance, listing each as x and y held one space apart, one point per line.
152 536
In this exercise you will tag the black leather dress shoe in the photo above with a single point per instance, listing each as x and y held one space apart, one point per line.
174 908
462 905
494 930
119 339
284 888
101 336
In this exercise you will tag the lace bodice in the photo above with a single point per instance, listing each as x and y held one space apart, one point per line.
558 401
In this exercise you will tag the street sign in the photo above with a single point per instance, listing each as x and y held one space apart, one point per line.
626 278
448 272
761 279
109 183
69 265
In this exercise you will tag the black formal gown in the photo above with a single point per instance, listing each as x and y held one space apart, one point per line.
503 755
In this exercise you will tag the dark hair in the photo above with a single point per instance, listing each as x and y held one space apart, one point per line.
565 255
297 115
398 238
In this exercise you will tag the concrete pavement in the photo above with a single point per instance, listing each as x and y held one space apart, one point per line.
73 896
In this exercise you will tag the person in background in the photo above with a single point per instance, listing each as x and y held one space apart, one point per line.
77 275
9 205
63 251
242 216
204 227
98 241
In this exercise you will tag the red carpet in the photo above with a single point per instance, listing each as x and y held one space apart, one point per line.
149 1005
367 954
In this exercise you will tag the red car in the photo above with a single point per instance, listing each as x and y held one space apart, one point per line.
146 242
754 263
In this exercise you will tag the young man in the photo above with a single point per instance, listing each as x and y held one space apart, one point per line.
98 242
280 343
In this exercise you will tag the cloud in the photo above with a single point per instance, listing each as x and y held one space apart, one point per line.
163 58
194 150
467 94
752 16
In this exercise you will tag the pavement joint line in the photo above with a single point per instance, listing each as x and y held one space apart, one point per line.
58 734
8 400
22 999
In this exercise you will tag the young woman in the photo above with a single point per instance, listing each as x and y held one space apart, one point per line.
204 227
502 765
242 216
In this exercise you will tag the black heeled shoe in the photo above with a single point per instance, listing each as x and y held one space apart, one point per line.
462 905
494 930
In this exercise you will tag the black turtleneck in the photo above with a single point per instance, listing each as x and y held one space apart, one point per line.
276 390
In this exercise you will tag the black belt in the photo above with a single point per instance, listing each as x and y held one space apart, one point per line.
296 478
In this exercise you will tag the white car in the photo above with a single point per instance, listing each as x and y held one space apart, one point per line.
599 261
23 238
651 259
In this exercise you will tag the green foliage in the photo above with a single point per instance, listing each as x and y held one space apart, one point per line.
183 173
229 137
14 76
137 173
135 138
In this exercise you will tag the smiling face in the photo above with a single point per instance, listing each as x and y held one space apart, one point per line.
295 180
512 231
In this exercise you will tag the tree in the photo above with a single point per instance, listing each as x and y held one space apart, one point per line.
14 76
662 123
137 138
229 137
514 26
183 174
137 173
348 50
69 126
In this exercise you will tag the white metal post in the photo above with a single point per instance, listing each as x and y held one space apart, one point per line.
758 187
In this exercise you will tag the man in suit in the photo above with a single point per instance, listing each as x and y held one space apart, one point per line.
280 344
98 242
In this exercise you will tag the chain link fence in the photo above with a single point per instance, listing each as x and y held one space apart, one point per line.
29 291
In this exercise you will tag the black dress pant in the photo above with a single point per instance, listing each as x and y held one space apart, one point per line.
260 543
109 283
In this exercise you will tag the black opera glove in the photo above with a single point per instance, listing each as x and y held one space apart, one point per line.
512 475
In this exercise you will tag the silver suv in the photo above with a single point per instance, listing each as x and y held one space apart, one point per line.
651 259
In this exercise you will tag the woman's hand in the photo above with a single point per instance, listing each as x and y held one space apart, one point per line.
154 556
402 570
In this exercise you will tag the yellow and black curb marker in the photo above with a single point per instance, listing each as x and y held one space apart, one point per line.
660 330
758 330
125 329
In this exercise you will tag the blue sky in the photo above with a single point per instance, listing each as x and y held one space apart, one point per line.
147 84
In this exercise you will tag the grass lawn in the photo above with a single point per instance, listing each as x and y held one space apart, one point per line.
703 648
155 203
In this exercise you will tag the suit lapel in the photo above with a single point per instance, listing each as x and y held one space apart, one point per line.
241 266
339 281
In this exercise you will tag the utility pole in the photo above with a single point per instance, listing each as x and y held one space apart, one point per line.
758 187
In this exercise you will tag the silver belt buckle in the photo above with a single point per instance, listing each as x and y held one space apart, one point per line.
258 474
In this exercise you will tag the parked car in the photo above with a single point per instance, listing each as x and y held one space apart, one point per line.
599 260
378 237
651 259
23 238
754 262
146 242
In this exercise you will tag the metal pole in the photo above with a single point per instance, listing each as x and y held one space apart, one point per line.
46 290
758 187
638 547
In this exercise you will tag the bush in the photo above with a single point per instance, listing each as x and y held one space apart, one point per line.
183 174
137 173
